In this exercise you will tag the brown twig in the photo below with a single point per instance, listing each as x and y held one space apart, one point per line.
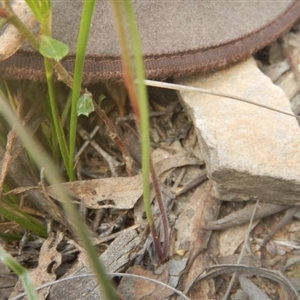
11 137
289 214
112 163
242 252
115 137
166 228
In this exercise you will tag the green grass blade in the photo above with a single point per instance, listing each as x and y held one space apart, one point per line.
36 8
22 273
85 26
45 7
13 213
59 133
143 107
24 222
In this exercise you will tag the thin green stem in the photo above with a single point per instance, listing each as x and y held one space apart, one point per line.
85 26
126 60
139 103
143 120
59 133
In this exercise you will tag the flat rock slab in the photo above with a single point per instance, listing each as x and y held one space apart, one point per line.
250 152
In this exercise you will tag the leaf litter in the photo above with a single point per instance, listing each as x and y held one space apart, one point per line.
49 260
121 192
204 249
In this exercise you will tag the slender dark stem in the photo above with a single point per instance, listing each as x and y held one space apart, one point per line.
164 217
156 241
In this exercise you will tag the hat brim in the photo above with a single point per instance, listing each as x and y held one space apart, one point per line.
178 37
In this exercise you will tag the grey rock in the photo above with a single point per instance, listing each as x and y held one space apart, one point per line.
250 152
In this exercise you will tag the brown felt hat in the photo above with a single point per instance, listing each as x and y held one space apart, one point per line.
178 37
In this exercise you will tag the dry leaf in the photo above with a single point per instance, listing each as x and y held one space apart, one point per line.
201 209
251 289
230 239
191 236
175 161
175 267
165 161
49 260
123 192
138 289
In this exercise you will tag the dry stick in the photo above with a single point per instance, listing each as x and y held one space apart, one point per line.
7 158
116 234
115 137
276 276
242 252
87 141
289 214
191 184
99 215
179 87
179 178
20 190
112 163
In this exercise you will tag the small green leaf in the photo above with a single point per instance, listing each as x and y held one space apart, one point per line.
52 48
85 104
